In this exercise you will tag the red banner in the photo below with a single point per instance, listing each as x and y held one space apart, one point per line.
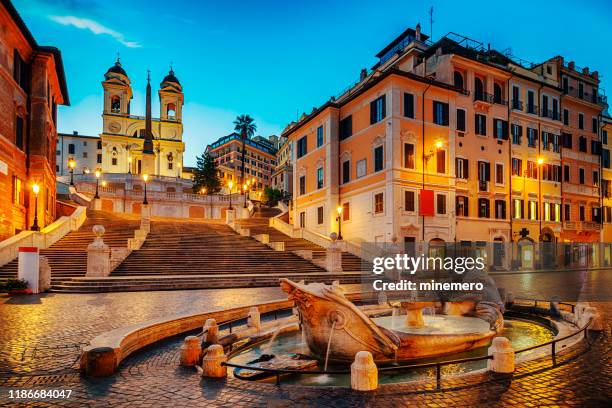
426 203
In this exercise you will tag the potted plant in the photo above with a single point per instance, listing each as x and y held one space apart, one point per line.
17 287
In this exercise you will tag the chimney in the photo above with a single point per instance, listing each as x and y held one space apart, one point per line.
363 74
585 71
595 75
571 65
418 32
75 133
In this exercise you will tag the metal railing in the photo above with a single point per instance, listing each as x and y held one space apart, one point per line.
437 365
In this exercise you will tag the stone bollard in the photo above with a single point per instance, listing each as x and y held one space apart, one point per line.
503 356
28 267
191 351
44 276
254 319
211 363
364 373
211 331
98 255
99 362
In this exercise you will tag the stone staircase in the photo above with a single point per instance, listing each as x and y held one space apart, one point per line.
68 256
259 224
187 254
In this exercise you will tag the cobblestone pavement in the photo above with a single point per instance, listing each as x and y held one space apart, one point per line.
41 337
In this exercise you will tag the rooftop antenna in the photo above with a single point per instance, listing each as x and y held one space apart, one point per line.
431 21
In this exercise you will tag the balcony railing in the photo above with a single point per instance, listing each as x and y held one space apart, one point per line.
483 97
548 113
483 185
582 226
533 109
517 105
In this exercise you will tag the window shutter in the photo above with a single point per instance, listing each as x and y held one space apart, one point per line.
505 130
488 171
384 106
466 168
445 113
373 112
466 207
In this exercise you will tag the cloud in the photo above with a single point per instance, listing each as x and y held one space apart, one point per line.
94 27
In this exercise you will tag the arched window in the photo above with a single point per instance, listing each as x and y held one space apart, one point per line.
171 110
458 80
497 93
115 104
478 89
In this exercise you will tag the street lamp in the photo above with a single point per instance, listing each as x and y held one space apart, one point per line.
35 190
245 188
145 177
230 185
71 166
97 180
540 215
339 219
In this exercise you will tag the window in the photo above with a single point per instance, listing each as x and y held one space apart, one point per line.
500 209
556 213
409 105
544 106
533 210
458 79
461 207
346 211
346 171
114 161
378 158
440 112
565 85
567 212
99 158
517 167
605 158
581 213
500 129
530 102
346 127
499 173
480 124
595 178
440 204
581 90
362 168
484 171
581 176
20 71
567 140
18 191
483 208
71 148
517 209
319 215
604 137
320 136
566 117
461 120
497 94
546 212
580 121
19 132
302 185
532 137
302 219
379 205
582 144
115 104
302 146
594 125
462 168
441 161
84 155
517 133
320 177
478 89
516 99
408 200
555 109
170 165
409 155
377 110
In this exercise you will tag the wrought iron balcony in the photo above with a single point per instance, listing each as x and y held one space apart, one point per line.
531 108
483 97
517 104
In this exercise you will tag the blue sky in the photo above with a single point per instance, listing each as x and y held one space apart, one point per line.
277 59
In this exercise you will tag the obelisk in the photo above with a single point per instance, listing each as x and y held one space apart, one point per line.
148 155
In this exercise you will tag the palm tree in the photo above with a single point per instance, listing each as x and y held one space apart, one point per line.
245 125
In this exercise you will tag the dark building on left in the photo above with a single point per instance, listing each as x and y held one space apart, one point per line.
32 85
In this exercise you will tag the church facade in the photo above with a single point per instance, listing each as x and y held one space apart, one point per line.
124 135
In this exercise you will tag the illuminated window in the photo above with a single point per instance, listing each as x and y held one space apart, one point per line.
533 210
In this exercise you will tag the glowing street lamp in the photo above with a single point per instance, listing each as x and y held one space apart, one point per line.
540 162
98 174
71 166
35 190
103 183
245 188
145 177
438 145
339 220
230 185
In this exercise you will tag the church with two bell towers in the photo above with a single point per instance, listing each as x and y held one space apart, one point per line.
141 144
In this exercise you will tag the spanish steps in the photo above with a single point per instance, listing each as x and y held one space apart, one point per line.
68 256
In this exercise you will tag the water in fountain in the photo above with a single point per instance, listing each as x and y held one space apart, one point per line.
331 333
394 314
265 349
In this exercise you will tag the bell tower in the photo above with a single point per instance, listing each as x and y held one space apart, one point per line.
117 91
171 98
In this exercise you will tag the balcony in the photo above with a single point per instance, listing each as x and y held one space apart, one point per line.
483 97
548 113
582 226
517 105
483 186
531 108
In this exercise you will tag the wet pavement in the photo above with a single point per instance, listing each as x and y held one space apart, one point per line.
41 337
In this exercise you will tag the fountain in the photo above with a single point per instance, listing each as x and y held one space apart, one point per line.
325 312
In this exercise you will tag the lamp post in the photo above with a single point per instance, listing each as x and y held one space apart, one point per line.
97 182
540 215
145 177
245 190
178 175
339 219
230 185
35 190
71 166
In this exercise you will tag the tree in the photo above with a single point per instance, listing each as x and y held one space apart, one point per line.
205 175
246 127
271 196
